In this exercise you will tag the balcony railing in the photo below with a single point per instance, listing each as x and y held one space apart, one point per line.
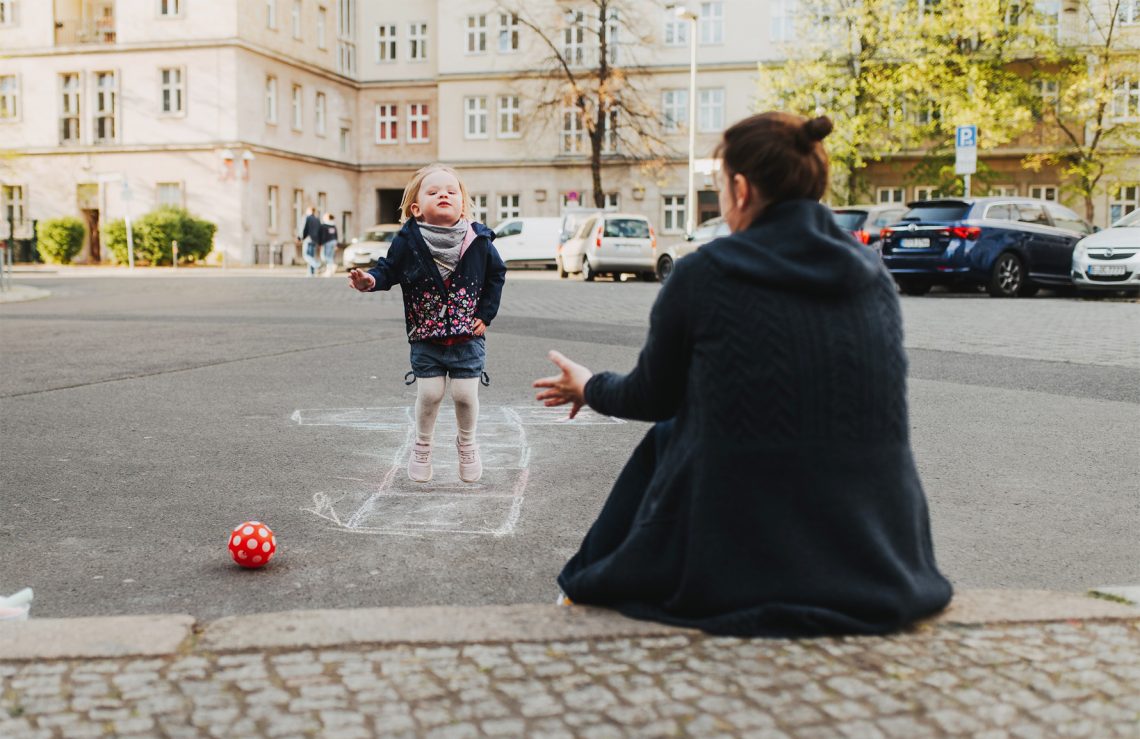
97 31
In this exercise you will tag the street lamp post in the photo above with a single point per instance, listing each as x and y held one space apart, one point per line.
691 194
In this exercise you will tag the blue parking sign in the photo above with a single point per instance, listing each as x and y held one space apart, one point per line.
967 137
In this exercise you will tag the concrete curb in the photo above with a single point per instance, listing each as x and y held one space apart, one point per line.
129 636
22 293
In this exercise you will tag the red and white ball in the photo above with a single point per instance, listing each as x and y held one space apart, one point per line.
252 544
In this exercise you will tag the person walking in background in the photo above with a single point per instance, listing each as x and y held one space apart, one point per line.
452 278
777 494
328 240
310 238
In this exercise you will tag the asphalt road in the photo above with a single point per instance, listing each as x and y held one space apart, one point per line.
143 416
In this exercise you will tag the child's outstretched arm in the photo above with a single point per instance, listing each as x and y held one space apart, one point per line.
495 276
387 271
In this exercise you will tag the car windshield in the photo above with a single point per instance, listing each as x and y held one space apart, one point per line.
378 236
926 212
708 229
850 219
1131 220
627 228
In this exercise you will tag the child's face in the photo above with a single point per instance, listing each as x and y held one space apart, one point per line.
439 202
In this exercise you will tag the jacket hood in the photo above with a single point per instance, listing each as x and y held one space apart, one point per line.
480 229
797 245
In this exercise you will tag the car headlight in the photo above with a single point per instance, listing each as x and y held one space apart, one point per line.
1080 251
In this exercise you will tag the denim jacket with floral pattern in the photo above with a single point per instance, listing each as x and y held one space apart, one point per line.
434 309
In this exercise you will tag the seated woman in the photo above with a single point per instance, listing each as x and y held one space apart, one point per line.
777 494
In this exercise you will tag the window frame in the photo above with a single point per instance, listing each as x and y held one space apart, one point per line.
386 47
880 191
510 206
513 113
417 41
295 19
270 100
575 133
99 113
14 209
475 114
163 9
321 113
710 24
179 88
271 14
272 194
1124 197
681 122
476 34
1042 192
510 32
158 186
421 117
704 125
391 119
480 204
297 107
673 207
11 99
675 33
322 27
65 96
7 13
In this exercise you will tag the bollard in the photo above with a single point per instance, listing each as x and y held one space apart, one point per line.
174 251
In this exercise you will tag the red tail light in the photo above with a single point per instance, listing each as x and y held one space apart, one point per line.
653 236
967 233
862 236
598 240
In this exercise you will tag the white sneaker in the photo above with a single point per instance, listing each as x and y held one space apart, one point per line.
470 465
330 270
419 463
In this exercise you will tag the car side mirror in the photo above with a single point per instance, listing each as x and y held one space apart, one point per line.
1095 229
689 237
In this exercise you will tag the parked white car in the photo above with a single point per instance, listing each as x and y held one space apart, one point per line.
610 243
364 250
711 229
1109 260
528 242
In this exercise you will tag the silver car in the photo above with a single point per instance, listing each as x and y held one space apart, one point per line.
1109 260
702 234
364 250
610 243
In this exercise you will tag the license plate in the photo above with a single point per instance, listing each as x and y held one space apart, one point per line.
914 243
1107 270
629 246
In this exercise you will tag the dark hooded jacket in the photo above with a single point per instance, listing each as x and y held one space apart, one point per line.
433 308
780 498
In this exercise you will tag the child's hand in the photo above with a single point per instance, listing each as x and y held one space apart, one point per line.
478 327
361 281
569 387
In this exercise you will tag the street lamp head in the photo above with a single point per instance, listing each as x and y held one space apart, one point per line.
227 156
681 11
247 156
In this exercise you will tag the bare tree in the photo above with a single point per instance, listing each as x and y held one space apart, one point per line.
591 71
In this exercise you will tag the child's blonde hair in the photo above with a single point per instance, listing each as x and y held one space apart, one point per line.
412 192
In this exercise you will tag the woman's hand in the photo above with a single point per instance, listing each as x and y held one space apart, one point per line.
568 387
362 281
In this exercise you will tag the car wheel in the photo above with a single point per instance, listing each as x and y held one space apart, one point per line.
562 273
664 267
588 273
1007 279
914 287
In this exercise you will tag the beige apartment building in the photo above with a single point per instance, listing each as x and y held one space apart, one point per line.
248 112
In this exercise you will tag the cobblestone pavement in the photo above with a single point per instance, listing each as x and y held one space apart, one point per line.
1039 680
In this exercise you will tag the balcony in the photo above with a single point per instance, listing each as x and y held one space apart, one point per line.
84 22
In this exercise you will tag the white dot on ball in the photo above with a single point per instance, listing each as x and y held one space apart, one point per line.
237 541
247 530
255 523
266 547
257 560
241 555
274 540
251 543
262 533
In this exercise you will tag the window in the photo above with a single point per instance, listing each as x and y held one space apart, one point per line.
298 108
169 8
927 192
298 210
106 103
479 202
69 109
1043 192
676 30
7 12
1125 199
475 110
172 90
1032 213
271 14
386 123
613 42
675 110
345 139
782 23
1047 15
345 224
13 200
508 33
710 110
296 17
385 43
1067 219
322 204
1048 92
9 97
476 34
508 207
322 24
168 193
573 199
1128 11
270 99
271 209
673 213
573 139
574 39
346 37
711 23
514 228
1126 97
1002 191
321 113
613 201
509 117
610 137
890 195
418 120
417 42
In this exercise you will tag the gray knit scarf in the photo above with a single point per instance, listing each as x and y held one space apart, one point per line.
444 243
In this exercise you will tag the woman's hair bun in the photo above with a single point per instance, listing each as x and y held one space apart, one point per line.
817 128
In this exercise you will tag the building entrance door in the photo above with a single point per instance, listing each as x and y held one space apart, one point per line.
708 205
87 199
388 205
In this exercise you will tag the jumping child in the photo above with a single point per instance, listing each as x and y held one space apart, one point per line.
452 278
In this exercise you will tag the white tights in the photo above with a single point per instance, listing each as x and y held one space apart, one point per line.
429 395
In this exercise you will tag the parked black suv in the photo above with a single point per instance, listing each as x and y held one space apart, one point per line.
1013 246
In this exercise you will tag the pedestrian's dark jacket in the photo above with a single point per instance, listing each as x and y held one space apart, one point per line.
781 498
327 233
434 309
312 228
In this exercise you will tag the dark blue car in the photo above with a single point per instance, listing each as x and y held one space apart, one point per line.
1012 246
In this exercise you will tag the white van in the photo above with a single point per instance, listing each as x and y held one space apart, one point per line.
528 242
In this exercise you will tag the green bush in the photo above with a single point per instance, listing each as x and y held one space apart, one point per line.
58 240
154 232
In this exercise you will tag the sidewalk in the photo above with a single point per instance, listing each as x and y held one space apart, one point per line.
995 664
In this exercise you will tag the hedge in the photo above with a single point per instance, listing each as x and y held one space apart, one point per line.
58 240
154 232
